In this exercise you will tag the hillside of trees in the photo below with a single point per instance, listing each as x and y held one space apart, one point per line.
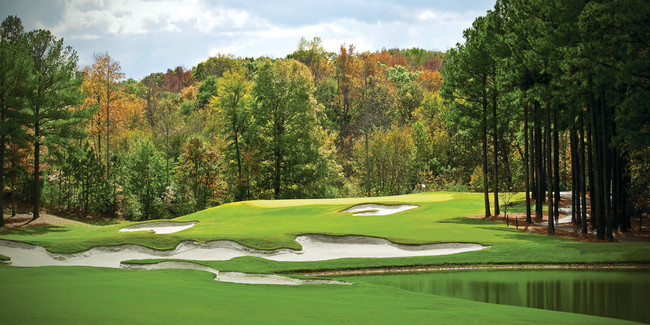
542 97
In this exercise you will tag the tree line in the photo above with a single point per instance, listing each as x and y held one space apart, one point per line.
318 124
561 71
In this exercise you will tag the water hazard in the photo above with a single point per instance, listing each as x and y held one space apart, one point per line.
616 294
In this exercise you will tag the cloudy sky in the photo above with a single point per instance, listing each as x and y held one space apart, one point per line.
148 36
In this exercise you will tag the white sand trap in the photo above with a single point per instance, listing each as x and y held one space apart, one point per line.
315 248
372 209
234 277
161 227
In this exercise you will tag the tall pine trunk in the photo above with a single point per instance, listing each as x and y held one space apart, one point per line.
496 154
597 206
527 166
582 174
37 172
575 187
539 170
625 180
606 168
486 195
2 179
549 171
556 165
590 173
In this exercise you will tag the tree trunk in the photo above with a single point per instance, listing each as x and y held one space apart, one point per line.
496 154
549 171
13 200
616 186
539 170
2 179
99 140
486 195
625 180
86 189
108 128
556 164
240 193
276 173
606 167
531 162
582 174
367 166
528 214
37 172
575 188
590 172
597 197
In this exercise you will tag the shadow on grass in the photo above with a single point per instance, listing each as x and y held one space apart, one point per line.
99 222
511 230
34 231
467 221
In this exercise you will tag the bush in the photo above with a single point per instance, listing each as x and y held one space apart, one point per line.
131 208
476 183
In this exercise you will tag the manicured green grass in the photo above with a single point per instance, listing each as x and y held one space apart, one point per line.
441 217
81 295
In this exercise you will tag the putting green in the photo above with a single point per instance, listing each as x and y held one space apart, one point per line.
413 198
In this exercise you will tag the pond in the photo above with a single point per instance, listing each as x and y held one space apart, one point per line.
616 294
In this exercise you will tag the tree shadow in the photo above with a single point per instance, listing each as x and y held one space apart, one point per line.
34 230
467 221
97 222
512 230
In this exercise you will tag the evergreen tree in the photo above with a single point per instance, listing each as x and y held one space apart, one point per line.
54 89
15 67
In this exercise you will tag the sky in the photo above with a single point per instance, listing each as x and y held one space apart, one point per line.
148 36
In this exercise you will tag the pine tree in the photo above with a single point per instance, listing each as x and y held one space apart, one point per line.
54 89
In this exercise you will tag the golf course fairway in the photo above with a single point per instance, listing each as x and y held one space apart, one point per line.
82 294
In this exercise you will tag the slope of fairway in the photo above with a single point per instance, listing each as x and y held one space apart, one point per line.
440 217
80 295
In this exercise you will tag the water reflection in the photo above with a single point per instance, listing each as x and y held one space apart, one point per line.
617 294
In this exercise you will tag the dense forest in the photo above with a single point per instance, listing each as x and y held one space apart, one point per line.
542 97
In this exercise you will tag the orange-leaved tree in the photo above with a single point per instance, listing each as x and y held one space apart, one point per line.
101 90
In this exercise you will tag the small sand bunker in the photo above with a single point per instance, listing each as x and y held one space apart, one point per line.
372 209
234 277
161 227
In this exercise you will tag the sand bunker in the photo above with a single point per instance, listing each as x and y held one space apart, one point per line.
372 209
315 248
161 227
235 277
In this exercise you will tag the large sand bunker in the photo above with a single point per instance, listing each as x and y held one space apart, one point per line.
315 248
161 227
372 209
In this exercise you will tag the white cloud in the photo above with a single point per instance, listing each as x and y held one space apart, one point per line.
151 36
126 17
427 15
